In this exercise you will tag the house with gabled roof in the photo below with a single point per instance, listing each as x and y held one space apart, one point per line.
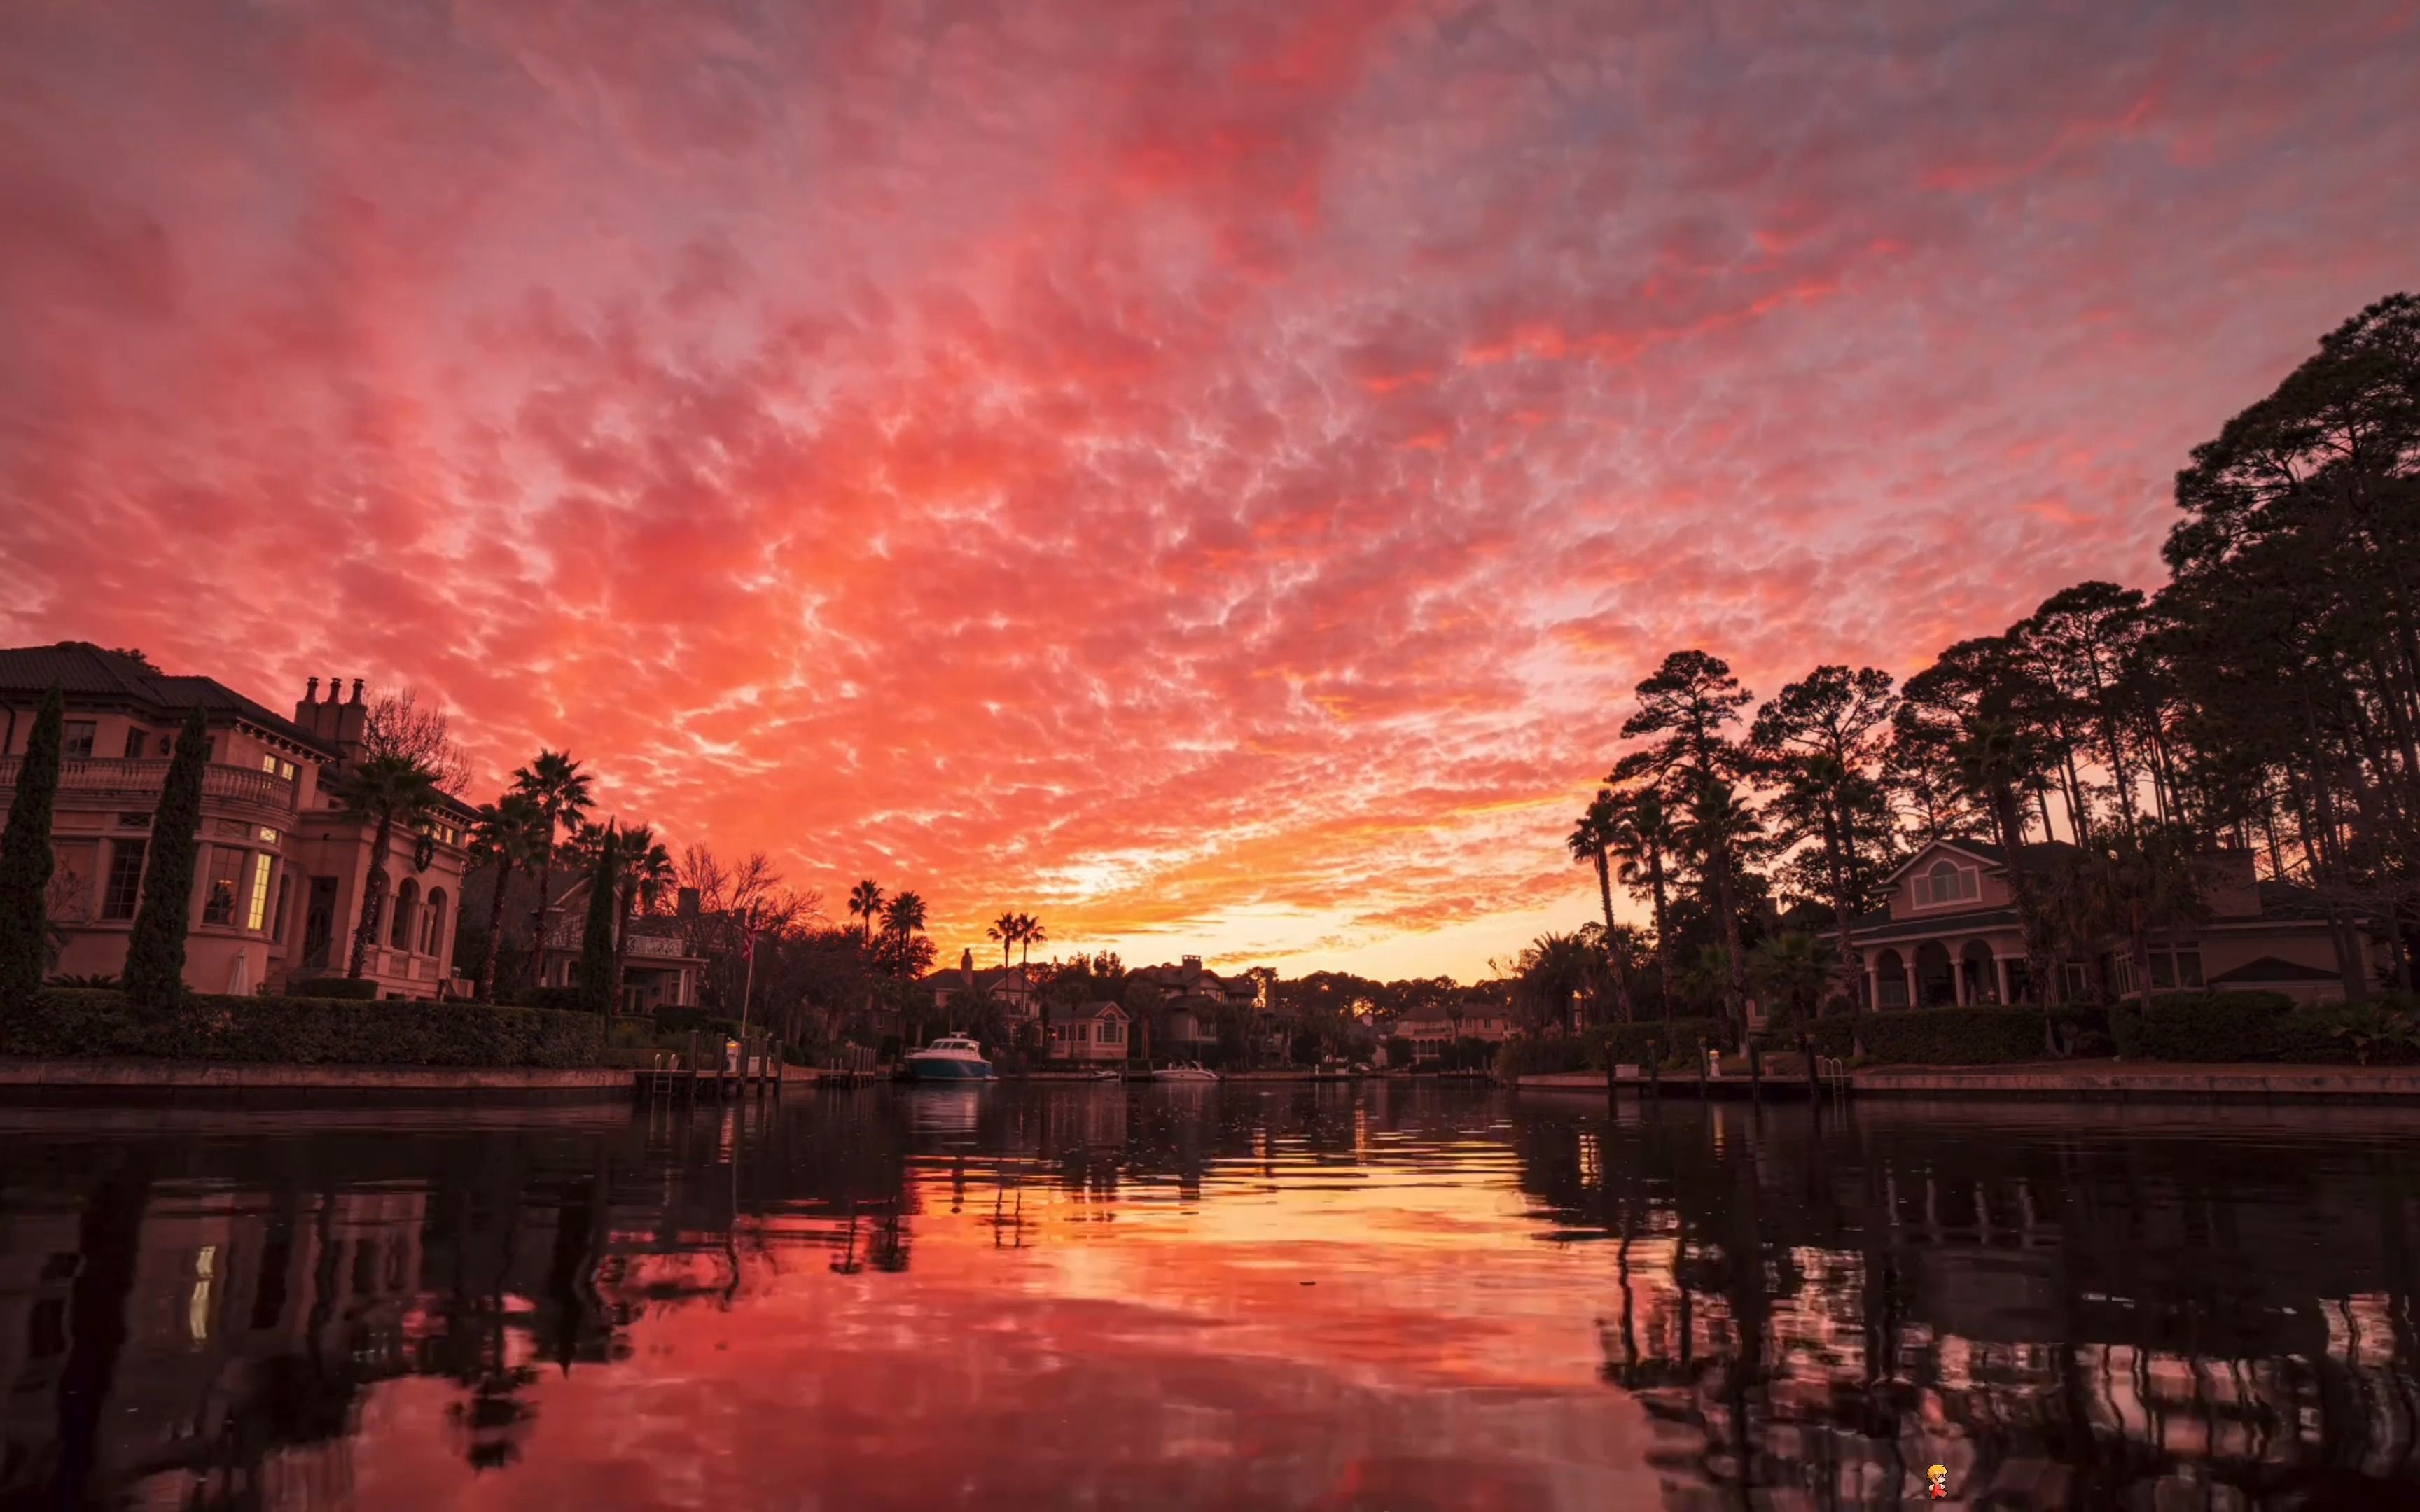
1094 1034
1949 935
1015 989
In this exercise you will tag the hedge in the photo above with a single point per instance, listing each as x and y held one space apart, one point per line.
74 1023
1610 1044
2260 1027
360 988
1952 1036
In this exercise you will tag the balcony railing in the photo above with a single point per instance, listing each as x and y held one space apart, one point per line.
110 777
652 944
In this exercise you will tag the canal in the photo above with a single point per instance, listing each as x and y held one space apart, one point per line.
1285 1296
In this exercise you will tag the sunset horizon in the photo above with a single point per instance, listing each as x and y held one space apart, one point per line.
1212 486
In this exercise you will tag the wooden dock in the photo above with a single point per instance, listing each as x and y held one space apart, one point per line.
712 1071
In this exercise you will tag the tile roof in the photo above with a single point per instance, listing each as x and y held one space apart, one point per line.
83 670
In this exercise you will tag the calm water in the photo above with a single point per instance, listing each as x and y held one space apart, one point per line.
1206 1296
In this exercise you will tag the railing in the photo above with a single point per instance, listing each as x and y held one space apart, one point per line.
654 944
144 779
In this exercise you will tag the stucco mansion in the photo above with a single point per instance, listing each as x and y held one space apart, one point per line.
280 870
1950 934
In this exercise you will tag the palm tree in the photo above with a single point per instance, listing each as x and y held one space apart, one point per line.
1793 968
1642 835
1004 929
1029 933
645 870
1993 759
559 787
1590 841
388 790
2137 880
865 902
904 914
505 835
1553 971
1718 829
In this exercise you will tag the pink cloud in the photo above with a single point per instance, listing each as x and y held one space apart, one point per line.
1179 472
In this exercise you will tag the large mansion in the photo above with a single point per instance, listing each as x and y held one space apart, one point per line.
1950 935
281 869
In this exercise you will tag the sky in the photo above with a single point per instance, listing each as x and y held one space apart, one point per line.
1207 475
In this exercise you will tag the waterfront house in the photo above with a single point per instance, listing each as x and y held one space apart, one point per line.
1093 1034
1012 989
1949 935
281 869
1432 1026
660 967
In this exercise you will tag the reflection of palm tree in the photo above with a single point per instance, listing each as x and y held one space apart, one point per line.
890 1250
493 1420
848 1264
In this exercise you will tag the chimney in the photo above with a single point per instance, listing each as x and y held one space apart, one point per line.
357 690
311 695
1192 963
686 902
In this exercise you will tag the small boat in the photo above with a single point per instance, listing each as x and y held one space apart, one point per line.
1190 1071
953 1057
1106 1074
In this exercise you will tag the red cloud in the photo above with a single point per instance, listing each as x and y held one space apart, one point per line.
1209 480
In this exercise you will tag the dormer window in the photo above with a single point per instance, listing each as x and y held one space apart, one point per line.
1947 881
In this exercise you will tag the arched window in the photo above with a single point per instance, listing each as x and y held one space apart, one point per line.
1947 881
433 935
407 897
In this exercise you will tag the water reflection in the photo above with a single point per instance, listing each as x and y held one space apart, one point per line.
1293 1296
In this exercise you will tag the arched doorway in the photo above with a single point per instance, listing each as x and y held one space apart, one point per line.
1982 976
1890 979
1935 987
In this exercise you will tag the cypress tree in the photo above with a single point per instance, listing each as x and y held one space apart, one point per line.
25 858
155 953
597 973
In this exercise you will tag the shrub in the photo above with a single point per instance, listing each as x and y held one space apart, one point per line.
1609 1044
2209 1027
1637 1045
1952 1036
560 999
74 1023
351 988
1532 1057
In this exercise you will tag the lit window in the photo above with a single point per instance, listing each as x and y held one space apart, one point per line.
257 913
268 836
218 900
269 764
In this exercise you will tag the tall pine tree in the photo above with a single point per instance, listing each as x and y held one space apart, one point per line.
25 858
155 953
597 968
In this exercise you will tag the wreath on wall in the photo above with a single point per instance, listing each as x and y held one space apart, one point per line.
423 852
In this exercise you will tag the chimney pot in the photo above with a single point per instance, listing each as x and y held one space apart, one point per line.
313 695
335 690
357 689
